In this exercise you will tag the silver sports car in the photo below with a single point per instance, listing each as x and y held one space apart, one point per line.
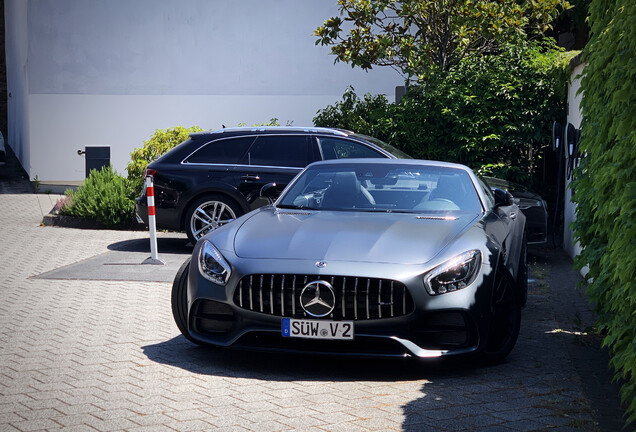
387 258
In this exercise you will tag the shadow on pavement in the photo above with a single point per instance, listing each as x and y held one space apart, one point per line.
179 352
125 262
169 245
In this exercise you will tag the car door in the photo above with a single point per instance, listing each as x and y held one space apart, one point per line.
272 159
212 165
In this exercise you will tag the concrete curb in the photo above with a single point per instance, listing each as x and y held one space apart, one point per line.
64 221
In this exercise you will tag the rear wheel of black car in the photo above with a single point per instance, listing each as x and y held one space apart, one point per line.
208 213
180 301
506 319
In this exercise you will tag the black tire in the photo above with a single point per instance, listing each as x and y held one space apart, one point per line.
179 301
522 273
208 213
505 321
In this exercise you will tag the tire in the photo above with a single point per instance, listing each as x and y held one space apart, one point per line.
505 321
522 273
179 301
208 213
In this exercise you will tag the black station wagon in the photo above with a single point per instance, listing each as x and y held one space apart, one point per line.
216 176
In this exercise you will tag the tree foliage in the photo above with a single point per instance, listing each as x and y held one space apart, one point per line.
605 186
488 112
418 37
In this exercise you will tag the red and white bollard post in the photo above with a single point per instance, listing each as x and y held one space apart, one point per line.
152 224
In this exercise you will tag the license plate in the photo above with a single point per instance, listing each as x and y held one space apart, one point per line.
317 329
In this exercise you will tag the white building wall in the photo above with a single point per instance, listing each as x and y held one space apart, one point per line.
16 48
111 72
574 116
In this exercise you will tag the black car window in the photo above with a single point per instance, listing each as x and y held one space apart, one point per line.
224 151
333 148
283 151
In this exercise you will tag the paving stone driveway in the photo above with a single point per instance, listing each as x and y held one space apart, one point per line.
87 355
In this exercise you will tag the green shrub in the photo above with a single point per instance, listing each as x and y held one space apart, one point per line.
492 113
104 197
605 184
158 144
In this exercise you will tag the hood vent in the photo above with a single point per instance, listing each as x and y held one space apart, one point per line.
288 213
445 218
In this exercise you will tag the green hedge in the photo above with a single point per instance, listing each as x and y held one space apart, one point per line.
492 113
605 186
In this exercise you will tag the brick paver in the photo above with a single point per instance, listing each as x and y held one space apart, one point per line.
82 355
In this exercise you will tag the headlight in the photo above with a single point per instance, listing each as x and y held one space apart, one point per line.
212 265
454 274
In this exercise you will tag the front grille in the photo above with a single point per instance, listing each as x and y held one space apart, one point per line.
355 298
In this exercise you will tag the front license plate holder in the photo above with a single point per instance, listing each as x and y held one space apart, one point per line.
317 329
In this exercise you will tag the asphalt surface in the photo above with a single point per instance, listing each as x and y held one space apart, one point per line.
88 343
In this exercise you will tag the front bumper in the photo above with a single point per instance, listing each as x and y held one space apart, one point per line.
436 326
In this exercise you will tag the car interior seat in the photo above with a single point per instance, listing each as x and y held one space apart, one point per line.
346 192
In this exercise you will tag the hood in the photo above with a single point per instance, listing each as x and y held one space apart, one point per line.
346 236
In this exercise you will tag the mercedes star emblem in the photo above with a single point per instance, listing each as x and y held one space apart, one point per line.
318 298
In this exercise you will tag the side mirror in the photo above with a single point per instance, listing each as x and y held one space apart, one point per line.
269 191
503 198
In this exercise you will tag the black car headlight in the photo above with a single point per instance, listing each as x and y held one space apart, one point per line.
212 265
455 274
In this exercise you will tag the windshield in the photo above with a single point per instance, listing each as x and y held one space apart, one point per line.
383 188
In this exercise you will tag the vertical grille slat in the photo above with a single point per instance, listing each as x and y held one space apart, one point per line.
251 302
368 293
260 292
282 296
294 296
392 314
343 294
380 299
241 293
271 295
355 298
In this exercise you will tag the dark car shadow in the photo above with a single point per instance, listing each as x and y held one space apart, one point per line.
179 352
170 245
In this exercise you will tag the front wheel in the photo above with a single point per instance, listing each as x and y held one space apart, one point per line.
506 319
208 213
